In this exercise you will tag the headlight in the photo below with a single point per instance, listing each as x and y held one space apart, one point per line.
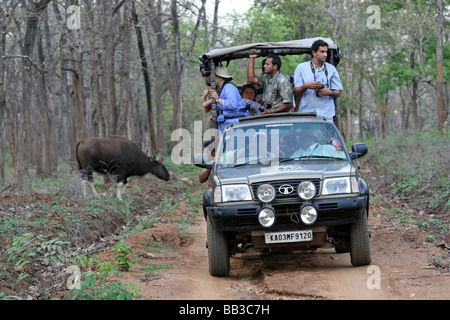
340 185
235 192
266 217
306 190
308 214
266 193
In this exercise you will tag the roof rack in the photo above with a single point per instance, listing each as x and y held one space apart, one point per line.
262 48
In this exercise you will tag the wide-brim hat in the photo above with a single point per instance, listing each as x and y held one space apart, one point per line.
223 73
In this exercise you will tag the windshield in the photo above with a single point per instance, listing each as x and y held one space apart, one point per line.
280 142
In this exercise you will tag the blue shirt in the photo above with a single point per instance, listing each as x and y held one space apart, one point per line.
232 108
323 106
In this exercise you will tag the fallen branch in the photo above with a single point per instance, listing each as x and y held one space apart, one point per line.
12 183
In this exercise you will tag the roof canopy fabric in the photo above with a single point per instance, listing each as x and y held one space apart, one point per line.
280 48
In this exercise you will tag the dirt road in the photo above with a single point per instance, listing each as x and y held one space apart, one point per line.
399 270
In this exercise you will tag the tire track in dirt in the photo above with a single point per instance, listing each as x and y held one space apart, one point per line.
399 269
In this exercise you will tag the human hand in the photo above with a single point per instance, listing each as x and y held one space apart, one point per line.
214 94
253 56
314 85
265 111
325 91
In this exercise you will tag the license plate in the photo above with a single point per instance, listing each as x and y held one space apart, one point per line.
289 236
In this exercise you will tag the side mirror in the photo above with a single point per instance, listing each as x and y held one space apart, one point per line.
358 150
202 161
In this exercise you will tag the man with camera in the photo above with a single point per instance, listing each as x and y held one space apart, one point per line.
278 94
317 83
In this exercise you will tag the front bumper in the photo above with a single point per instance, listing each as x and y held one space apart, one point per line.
243 217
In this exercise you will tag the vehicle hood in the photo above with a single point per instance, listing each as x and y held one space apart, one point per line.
284 171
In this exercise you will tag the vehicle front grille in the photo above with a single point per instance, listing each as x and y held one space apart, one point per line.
247 211
328 206
293 183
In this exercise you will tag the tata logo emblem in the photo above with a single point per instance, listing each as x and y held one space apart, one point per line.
286 189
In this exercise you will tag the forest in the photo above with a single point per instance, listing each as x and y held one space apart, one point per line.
76 68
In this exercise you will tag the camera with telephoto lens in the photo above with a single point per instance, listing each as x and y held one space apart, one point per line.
266 105
317 91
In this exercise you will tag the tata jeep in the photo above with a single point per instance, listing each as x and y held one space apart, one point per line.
285 182
282 181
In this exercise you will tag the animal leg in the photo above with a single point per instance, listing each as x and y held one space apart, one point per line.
93 189
120 189
83 187
87 178
91 185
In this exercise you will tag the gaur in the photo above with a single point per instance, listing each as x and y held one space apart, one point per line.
117 156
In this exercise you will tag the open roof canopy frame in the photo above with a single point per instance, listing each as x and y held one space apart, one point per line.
218 56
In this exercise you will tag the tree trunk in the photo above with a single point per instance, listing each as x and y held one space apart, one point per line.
382 117
78 88
414 95
147 84
157 73
360 110
29 100
404 112
414 106
109 87
98 105
45 154
159 54
124 121
177 66
2 99
440 74
175 80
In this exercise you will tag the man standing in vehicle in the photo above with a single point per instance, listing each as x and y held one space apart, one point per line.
317 83
278 94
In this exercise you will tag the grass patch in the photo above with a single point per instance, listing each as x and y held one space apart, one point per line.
48 223
414 168
415 165
151 271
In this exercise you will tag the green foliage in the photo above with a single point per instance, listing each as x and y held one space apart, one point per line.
5 296
430 59
95 286
122 251
416 167
442 262
305 20
30 248
151 271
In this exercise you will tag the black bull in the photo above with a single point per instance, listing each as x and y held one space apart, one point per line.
117 156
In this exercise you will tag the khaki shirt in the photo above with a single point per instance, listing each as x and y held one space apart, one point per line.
277 90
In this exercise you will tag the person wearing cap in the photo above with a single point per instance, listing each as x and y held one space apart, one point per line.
228 99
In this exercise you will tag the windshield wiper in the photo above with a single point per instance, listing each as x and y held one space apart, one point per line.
309 157
321 157
255 161
289 159
241 164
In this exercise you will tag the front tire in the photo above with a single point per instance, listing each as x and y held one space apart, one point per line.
219 259
359 242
